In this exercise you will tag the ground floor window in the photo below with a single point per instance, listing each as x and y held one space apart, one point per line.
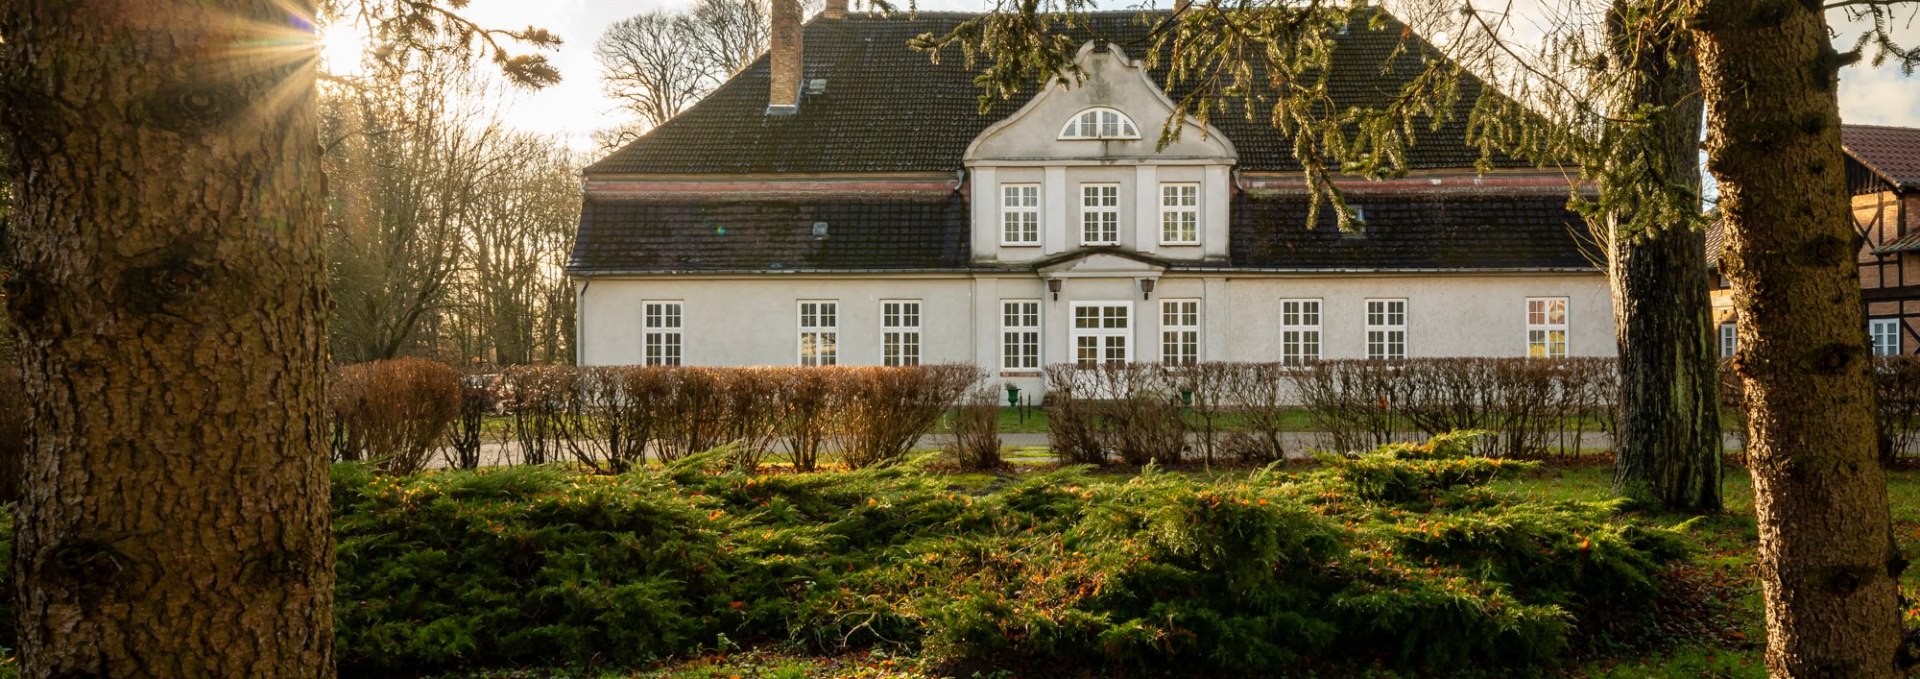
1020 334
1100 332
900 332
1299 331
1729 340
660 332
1886 336
1547 327
1387 329
819 333
1180 331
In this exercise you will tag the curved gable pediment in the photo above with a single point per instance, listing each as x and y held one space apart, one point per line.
1045 128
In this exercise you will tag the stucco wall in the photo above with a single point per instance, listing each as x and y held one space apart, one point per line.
754 321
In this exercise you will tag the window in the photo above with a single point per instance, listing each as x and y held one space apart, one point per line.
1100 123
1020 334
660 332
900 332
1180 331
1729 340
1180 214
1020 214
1547 327
1886 336
1099 214
1386 329
819 333
1299 331
1100 332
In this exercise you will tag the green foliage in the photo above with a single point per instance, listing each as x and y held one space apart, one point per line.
1400 557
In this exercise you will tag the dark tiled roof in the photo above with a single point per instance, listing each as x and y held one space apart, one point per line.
771 234
1432 231
888 109
1891 152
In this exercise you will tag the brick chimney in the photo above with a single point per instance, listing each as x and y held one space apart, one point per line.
783 96
836 9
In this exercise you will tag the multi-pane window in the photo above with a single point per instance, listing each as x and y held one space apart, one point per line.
1386 329
1299 331
1099 214
1180 331
819 333
1179 214
660 332
900 332
1547 327
1886 336
1020 214
1729 340
1100 333
1020 334
1100 123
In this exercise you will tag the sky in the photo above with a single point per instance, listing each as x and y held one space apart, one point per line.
577 107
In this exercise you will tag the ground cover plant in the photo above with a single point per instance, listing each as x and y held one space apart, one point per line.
1399 558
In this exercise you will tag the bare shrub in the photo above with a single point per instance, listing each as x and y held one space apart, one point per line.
1208 390
1260 391
751 413
1352 403
396 411
1139 415
804 412
1897 381
887 410
536 403
694 407
976 431
1070 415
16 417
479 397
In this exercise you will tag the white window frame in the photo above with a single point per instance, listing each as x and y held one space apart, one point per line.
1179 210
1089 194
1886 336
1729 339
1541 327
662 324
1300 331
1100 123
1103 334
900 332
1020 335
1029 214
1179 332
1386 339
814 333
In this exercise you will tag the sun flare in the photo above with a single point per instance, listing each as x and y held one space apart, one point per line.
343 48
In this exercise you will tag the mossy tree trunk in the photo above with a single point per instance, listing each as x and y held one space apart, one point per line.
1827 560
170 295
1668 454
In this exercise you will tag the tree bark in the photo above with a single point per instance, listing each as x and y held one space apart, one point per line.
1668 454
1827 561
170 294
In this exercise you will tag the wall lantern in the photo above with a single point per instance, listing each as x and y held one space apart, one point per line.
1146 288
1053 286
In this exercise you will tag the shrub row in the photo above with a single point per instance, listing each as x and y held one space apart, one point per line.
1401 557
1141 413
612 419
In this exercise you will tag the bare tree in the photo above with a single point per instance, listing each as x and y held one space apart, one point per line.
729 34
650 66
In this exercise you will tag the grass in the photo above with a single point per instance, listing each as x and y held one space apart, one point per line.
1726 559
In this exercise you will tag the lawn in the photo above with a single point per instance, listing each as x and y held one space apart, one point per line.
1723 565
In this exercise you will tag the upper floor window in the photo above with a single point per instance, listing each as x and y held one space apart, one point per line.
1100 123
1179 214
1019 214
1729 340
1099 214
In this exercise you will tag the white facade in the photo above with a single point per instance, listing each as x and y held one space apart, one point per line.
1080 216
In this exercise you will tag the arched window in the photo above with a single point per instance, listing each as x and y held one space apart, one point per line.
1100 123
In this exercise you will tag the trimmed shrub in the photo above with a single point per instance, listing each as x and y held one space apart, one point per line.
536 401
976 431
479 397
886 410
1897 381
1070 417
395 412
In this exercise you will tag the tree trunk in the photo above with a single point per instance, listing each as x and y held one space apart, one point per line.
1668 452
170 295
1827 560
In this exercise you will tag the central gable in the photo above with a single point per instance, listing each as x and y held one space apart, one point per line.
1046 129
